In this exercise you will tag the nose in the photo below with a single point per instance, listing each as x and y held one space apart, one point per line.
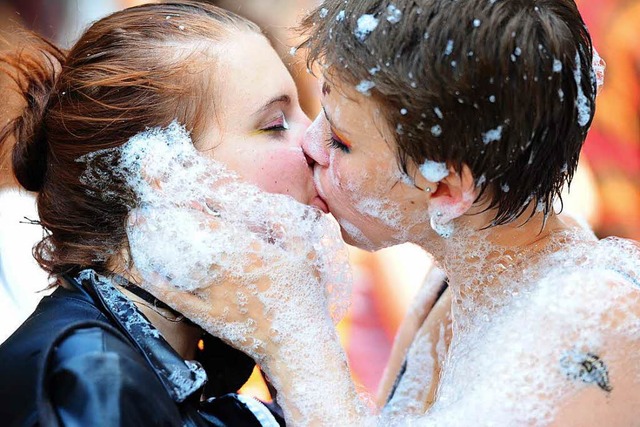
313 143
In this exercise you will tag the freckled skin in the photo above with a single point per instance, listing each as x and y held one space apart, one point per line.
272 160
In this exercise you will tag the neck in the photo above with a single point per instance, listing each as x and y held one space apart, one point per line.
181 335
484 265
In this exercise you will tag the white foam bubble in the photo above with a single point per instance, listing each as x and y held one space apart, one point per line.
365 86
492 135
599 67
366 24
582 103
494 374
411 393
198 224
394 15
434 171
356 235
449 48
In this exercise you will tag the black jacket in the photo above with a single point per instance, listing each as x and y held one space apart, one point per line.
88 357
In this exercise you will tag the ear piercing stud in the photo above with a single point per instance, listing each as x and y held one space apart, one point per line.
443 228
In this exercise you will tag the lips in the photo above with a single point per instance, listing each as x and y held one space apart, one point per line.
320 204
321 196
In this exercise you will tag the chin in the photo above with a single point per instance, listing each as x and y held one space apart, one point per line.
354 237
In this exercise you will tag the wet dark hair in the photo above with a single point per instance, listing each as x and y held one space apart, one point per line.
130 71
503 86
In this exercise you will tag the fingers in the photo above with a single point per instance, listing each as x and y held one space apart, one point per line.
182 301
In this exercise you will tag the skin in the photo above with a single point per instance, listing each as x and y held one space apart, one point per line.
367 170
358 162
258 134
347 169
250 137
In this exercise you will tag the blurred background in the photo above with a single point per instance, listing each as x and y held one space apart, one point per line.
605 192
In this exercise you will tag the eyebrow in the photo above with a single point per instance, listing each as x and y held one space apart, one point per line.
279 99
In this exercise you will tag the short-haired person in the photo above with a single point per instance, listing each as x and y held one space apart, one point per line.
455 125
463 121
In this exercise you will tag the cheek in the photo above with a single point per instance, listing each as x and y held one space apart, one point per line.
283 171
344 179
356 178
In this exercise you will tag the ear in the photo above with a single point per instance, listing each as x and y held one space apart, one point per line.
454 195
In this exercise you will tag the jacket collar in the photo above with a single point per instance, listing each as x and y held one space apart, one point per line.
181 378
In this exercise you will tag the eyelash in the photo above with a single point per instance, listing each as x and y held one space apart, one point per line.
334 142
281 126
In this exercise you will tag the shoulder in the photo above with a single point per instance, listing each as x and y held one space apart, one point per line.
99 356
594 294
96 374
583 335
53 316
87 341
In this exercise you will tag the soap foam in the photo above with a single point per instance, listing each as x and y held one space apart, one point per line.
197 225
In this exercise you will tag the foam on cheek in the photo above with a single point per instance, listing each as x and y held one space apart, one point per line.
167 175
372 197
404 178
383 210
356 235
350 184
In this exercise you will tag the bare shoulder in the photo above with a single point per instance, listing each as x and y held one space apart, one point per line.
594 315
595 295
566 352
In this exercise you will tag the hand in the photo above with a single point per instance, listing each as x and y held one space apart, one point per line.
262 288
244 286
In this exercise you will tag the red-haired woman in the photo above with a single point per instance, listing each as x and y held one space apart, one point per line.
100 350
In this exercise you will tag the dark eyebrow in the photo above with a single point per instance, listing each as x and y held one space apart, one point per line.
282 98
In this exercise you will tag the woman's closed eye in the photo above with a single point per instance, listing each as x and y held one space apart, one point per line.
278 125
337 143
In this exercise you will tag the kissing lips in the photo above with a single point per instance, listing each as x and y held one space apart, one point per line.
319 203
321 196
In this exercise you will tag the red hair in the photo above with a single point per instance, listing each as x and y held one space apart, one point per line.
130 71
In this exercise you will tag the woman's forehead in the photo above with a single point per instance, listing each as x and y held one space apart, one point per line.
251 71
